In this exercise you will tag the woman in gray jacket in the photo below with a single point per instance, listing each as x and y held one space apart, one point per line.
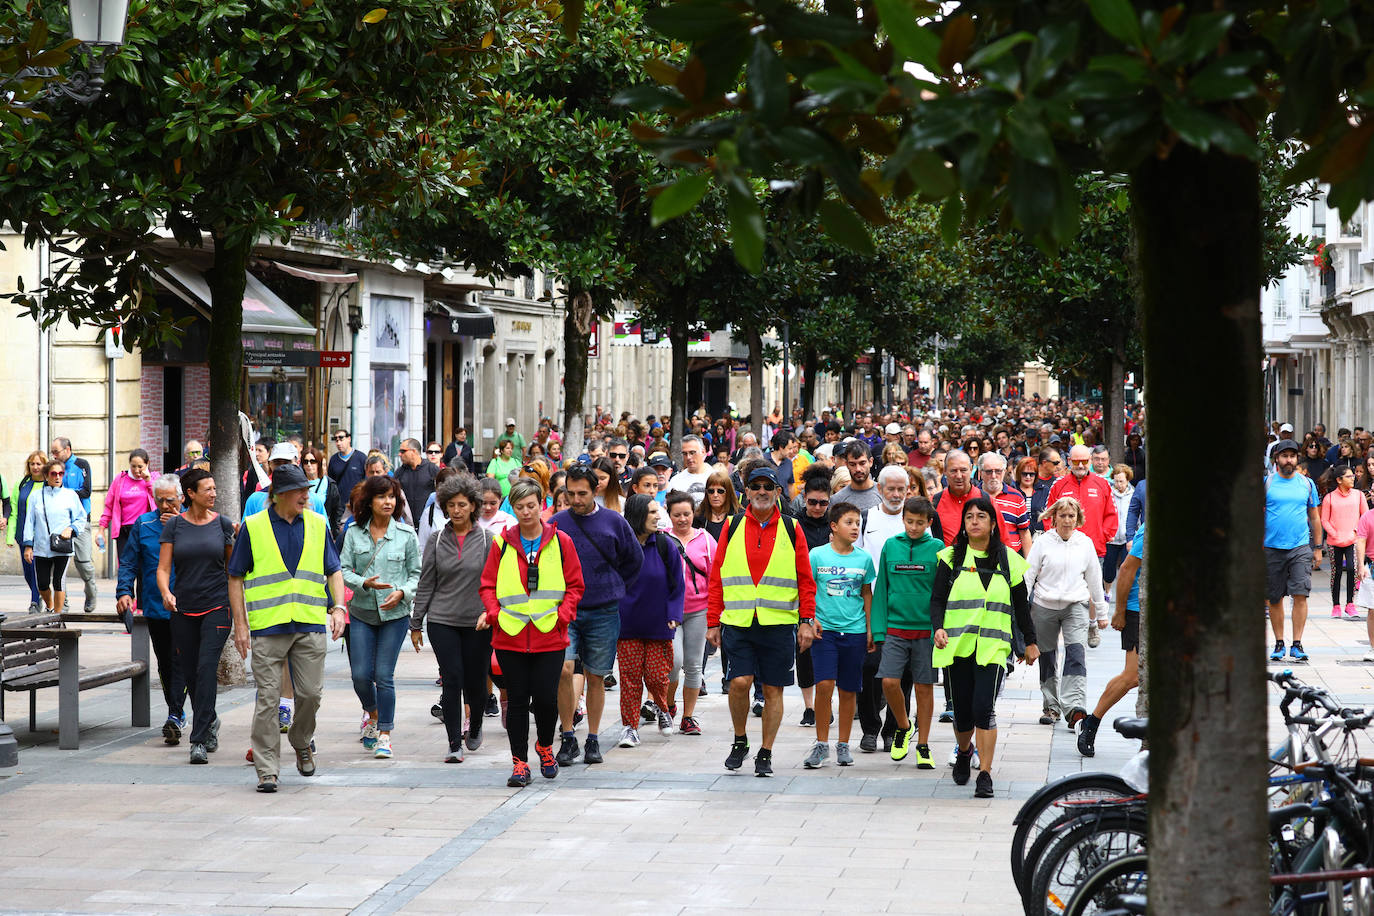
381 563
448 594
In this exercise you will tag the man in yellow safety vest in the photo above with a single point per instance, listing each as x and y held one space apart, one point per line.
285 589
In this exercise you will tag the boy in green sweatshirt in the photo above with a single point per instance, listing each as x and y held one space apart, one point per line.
901 610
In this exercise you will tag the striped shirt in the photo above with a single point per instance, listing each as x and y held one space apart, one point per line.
1015 514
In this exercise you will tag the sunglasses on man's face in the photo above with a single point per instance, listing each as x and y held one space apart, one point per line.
762 485
340 438
620 455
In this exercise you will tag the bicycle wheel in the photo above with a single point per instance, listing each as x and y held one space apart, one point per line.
1080 849
1097 895
1040 811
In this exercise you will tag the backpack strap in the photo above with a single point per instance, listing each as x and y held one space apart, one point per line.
666 553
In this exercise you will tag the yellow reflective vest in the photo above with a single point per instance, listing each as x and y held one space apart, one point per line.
273 595
519 607
978 620
775 599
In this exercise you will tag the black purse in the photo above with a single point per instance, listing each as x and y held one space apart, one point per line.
56 542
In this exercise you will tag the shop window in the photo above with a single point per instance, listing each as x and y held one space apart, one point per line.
277 406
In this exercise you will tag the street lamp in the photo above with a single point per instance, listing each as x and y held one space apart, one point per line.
99 26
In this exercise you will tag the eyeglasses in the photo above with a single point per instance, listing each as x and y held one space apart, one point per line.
309 461
1027 473
433 451
194 453
340 438
762 485
818 502
715 489
621 455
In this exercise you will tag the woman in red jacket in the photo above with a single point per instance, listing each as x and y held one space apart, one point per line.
531 585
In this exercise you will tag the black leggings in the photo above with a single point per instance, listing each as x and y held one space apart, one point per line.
168 671
1343 561
199 641
50 572
531 684
974 688
464 657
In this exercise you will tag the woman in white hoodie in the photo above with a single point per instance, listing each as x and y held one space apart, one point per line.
1065 584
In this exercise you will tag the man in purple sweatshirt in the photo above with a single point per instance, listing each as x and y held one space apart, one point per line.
611 557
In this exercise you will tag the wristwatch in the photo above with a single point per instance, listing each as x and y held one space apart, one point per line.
338 607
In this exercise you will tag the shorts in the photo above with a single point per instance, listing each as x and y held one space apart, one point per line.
839 657
592 637
901 655
1130 634
1288 572
765 652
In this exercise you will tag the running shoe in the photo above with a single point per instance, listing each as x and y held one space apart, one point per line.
923 759
370 736
591 751
648 712
610 682
868 744
887 744
901 742
212 739
690 726
455 753
672 710
284 719
493 707
267 784
548 766
665 723
1351 613
1087 735
842 756
199 754
474 734
580 713
437 711
738 751
630 737
1049 716
519 774
983 789
963 765
383 749
1277 654
1094 636
808 719
1296 653
763 762
947 715
1335 612
568 751
816 757
171 731
362 728
757 709
1075 715
305 761
702 691
954 755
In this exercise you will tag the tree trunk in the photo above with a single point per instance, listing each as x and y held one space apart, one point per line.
575 342
846 382
677 424
756 414
810 362
1113 402
875 378
1197 219
227 277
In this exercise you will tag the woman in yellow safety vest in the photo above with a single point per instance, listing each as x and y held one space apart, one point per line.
979 600
531 585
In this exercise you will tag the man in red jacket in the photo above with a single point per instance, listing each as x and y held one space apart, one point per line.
1100 520
759 640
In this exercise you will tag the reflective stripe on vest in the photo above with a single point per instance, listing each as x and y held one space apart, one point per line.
977 620
272 595
775 599
540 606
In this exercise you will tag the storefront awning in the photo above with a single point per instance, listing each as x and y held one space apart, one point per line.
264 312
317 274
449 320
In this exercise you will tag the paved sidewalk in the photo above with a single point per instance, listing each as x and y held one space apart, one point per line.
125 825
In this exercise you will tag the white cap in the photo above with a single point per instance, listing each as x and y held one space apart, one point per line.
283 451
826 451
1286 428
510 421
893 428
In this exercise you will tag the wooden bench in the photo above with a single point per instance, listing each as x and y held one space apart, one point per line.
40 650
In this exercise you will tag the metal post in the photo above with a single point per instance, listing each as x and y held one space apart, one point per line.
786 369
9 748
111 457
938 393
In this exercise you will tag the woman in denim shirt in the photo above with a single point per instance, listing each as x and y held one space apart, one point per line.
381 564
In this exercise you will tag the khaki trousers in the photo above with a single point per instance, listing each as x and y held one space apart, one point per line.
305 652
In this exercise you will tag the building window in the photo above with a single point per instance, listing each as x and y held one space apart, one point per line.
529 286
1280 306
1306 300
1318 214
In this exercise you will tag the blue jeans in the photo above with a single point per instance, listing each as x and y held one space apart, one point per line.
372 655
592 637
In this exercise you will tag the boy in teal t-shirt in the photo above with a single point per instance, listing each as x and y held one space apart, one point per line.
844 596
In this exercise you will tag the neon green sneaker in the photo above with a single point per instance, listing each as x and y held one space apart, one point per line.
901 741
923 758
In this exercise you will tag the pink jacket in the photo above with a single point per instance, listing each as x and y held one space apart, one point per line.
1340 514
701 553
111 517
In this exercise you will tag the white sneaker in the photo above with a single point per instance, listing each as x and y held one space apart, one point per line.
954 753
630 738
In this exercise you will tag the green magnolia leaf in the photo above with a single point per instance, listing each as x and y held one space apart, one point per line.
1029 136
845 227
1201 37
691 21
679 197
1203 129
1118 19
1222 80
911 40
746 225
766 79
986 55
951 217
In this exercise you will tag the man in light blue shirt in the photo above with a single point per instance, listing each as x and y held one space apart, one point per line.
1291 527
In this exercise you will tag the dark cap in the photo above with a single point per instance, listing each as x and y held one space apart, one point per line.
761 473
661 460
1284 445
288 477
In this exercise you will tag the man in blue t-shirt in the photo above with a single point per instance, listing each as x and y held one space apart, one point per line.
1129 579
1291 527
